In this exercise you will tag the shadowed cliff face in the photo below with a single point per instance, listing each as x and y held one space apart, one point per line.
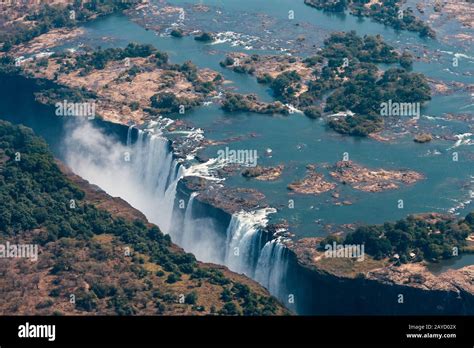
319 293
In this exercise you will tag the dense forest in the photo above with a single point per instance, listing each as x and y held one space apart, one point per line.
366 87
82 249
347 78
414 239
388 12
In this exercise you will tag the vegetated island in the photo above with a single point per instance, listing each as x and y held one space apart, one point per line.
388 12
136 82
99 249
235 102
341 82
21 23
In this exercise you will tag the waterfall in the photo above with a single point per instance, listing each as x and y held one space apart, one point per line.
242 234
158 172
271 268
245 252
145 174
184 235
199 235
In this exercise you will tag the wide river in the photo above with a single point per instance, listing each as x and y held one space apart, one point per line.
296 140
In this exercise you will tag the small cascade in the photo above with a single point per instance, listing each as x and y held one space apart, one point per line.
129 135
199 234
186 233
272 266
248 252
243 240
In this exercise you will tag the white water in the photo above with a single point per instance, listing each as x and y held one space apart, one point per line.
145 174
242 237
199 235
463 139
271 267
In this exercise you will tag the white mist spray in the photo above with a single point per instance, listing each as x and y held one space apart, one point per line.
145 174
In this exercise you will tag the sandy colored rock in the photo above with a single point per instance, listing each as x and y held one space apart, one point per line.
372 180
313 184
263 173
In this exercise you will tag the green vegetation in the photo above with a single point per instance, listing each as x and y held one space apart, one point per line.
98 59
416 235
229 62
265 78
168 102
7 66
285 85
248 302
73 95
204 37
50 17
351 81
39 203
343 81
364 94
313 111
177 33
234 102
388 12
367 49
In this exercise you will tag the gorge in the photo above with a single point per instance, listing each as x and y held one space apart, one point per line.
158 166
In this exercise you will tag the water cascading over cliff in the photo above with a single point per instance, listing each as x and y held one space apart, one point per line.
144 172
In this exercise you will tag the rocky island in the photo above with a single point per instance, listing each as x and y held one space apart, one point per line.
133 82
263 173
372 180
314 183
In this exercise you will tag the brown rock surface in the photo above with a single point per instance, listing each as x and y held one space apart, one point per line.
263 173
372 180
416 275
312 184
